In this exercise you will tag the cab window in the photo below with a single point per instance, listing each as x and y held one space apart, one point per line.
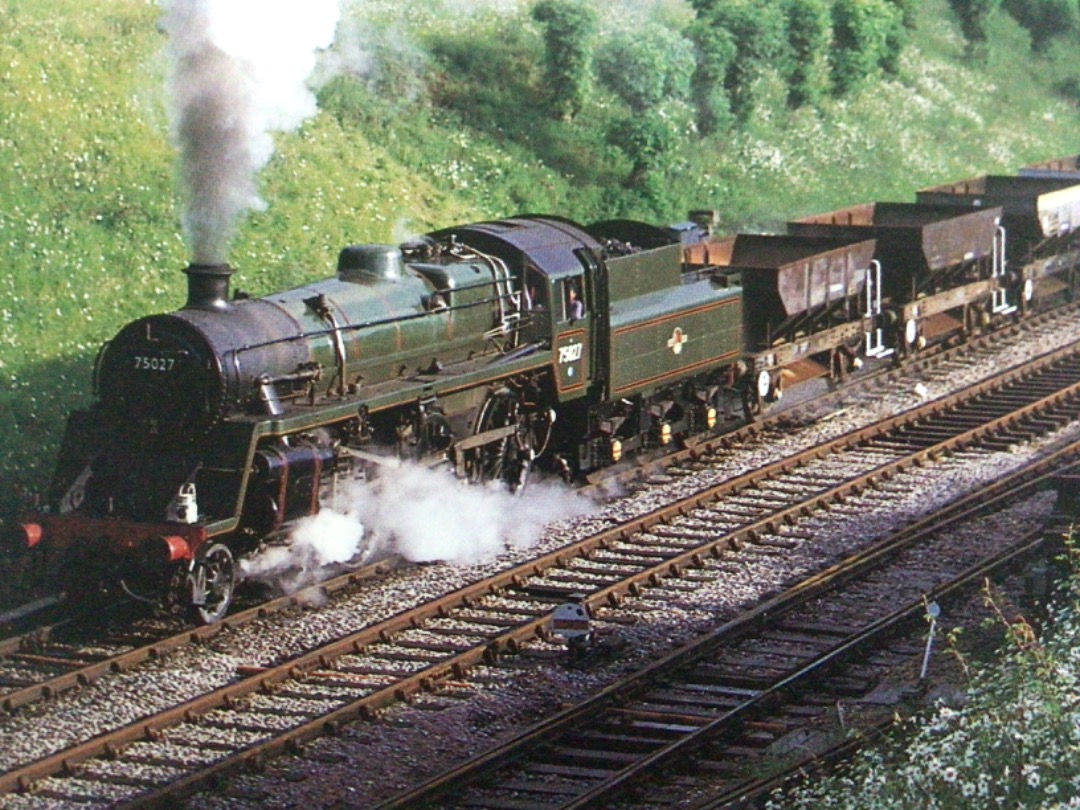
572 302
535 289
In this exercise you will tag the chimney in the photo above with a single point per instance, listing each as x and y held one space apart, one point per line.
208 286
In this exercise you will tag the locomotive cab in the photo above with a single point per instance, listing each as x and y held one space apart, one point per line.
572 338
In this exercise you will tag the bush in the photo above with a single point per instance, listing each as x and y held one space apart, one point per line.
714 50
897 36
909 12
973 15
388 64
645 138
569 30
759 31
809 34
1045 19
1013 744
648 66
863 32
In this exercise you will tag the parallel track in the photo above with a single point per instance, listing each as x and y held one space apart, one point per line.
281 707
719 705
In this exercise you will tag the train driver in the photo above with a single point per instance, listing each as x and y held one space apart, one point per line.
575 308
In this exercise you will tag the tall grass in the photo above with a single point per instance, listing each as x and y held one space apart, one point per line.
444 126
1011 742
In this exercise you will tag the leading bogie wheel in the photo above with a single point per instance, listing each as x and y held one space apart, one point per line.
210 585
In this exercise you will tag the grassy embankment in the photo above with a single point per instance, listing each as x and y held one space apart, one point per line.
446 129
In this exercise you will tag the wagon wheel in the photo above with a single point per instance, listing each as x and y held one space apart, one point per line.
751 405
754 391
970 322
509 459
210 585
975 320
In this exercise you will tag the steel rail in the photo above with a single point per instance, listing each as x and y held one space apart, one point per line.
773 696
90 673
1017 485
425 679
80 675
821 761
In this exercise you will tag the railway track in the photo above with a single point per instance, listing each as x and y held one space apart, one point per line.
715 715
50 659
279 708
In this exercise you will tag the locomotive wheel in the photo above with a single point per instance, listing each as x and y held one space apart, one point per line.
507 460
210 585
436 435
424 435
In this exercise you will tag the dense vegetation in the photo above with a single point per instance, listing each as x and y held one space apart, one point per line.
435 113
1011 743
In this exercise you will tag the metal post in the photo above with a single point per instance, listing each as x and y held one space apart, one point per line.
933 610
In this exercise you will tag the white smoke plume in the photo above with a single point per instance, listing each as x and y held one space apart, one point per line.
239 72
424 515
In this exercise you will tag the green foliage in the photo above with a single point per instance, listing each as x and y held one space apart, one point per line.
897 37
715 50
864 34
569 30
487 75
809 35
1046 19
1013 743
376 55
973 15
646 67
759 31
645 138
1070 88
909 12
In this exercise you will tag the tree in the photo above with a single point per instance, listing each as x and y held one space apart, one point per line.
570 28
809 34
759 32
647 67
909 12
973 15
645 139
714 51
862 32
1045 19
896 39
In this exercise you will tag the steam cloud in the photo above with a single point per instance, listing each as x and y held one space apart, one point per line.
424 515
239 72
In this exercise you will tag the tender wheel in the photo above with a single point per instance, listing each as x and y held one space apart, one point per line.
752 404
210 585
755 393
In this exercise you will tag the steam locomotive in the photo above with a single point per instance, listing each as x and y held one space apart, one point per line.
498 346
